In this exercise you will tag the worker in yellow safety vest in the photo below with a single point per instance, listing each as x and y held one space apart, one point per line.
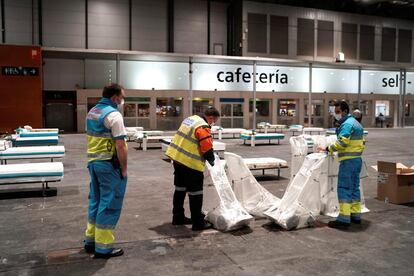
191 146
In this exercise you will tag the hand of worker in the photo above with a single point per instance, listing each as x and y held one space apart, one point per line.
320 149
123 173
211 162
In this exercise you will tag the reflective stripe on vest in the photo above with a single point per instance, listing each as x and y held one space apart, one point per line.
184 147
101 145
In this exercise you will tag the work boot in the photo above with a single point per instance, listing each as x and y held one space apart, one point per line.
90 249
201 225
181 220
116 252
338 224
356 221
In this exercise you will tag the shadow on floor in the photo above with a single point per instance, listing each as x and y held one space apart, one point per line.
27 193
172 231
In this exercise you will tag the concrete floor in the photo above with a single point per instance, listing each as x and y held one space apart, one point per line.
43 236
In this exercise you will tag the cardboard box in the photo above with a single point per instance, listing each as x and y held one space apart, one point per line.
395 183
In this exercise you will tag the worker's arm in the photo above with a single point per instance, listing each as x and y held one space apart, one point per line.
122 152
203 135
344 137
115 123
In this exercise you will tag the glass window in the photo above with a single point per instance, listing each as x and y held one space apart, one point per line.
382 108
363 106
91 102
130 110
287 108
136 112
317 108
201 104
407 110
169 113
99 73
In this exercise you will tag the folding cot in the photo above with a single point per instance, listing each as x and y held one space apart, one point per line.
248 136
51 152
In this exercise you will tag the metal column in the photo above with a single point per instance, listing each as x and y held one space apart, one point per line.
359 87
254 95
118 69
190 86
310 97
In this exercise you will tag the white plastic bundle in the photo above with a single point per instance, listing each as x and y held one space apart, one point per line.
301 203
228 214
299 149
252 196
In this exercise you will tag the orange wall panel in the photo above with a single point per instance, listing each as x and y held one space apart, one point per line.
21 96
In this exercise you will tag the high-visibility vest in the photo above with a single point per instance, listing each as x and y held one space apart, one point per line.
350 143
184 147
101 144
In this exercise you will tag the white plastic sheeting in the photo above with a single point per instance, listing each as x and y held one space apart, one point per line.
299 150
228 214
310 193
252 196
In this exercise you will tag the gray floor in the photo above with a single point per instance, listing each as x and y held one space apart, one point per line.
43 236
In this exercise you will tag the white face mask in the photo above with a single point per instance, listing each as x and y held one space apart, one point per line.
121 105
338 116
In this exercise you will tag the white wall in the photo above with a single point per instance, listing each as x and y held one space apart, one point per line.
149 25
108 24
190 26
18 21
336 17
64 23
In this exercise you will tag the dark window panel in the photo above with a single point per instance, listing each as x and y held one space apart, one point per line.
279 34
305 38
388 44
366 42
325 38
349 40
257 32
404 45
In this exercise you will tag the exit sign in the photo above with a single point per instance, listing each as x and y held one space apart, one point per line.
19 71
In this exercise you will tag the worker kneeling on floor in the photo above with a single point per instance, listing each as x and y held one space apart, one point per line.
350 144
107 164
191 146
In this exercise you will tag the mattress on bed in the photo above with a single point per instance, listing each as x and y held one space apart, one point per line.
5 144
314 129
262 136
35 141
265 163
37 134
296 127
54 130
33 152
232 130
31 172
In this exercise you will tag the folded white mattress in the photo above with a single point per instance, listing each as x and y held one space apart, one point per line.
55 130
264 163
33 152
141 134
31 172
262 136
216 130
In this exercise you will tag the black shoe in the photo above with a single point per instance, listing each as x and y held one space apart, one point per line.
203 225
90 249
338 224
115 253
181 220
356 221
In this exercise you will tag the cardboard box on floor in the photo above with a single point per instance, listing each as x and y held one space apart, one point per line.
395 182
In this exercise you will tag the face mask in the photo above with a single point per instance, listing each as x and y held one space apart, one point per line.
338 116
121 105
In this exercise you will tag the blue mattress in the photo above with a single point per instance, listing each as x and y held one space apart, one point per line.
35 141
37 134
262 136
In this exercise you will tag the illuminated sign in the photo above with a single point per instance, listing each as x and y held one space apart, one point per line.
19 71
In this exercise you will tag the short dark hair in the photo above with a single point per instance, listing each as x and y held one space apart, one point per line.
343 105
211 111
111 90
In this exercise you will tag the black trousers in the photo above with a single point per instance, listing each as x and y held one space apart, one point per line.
187 180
